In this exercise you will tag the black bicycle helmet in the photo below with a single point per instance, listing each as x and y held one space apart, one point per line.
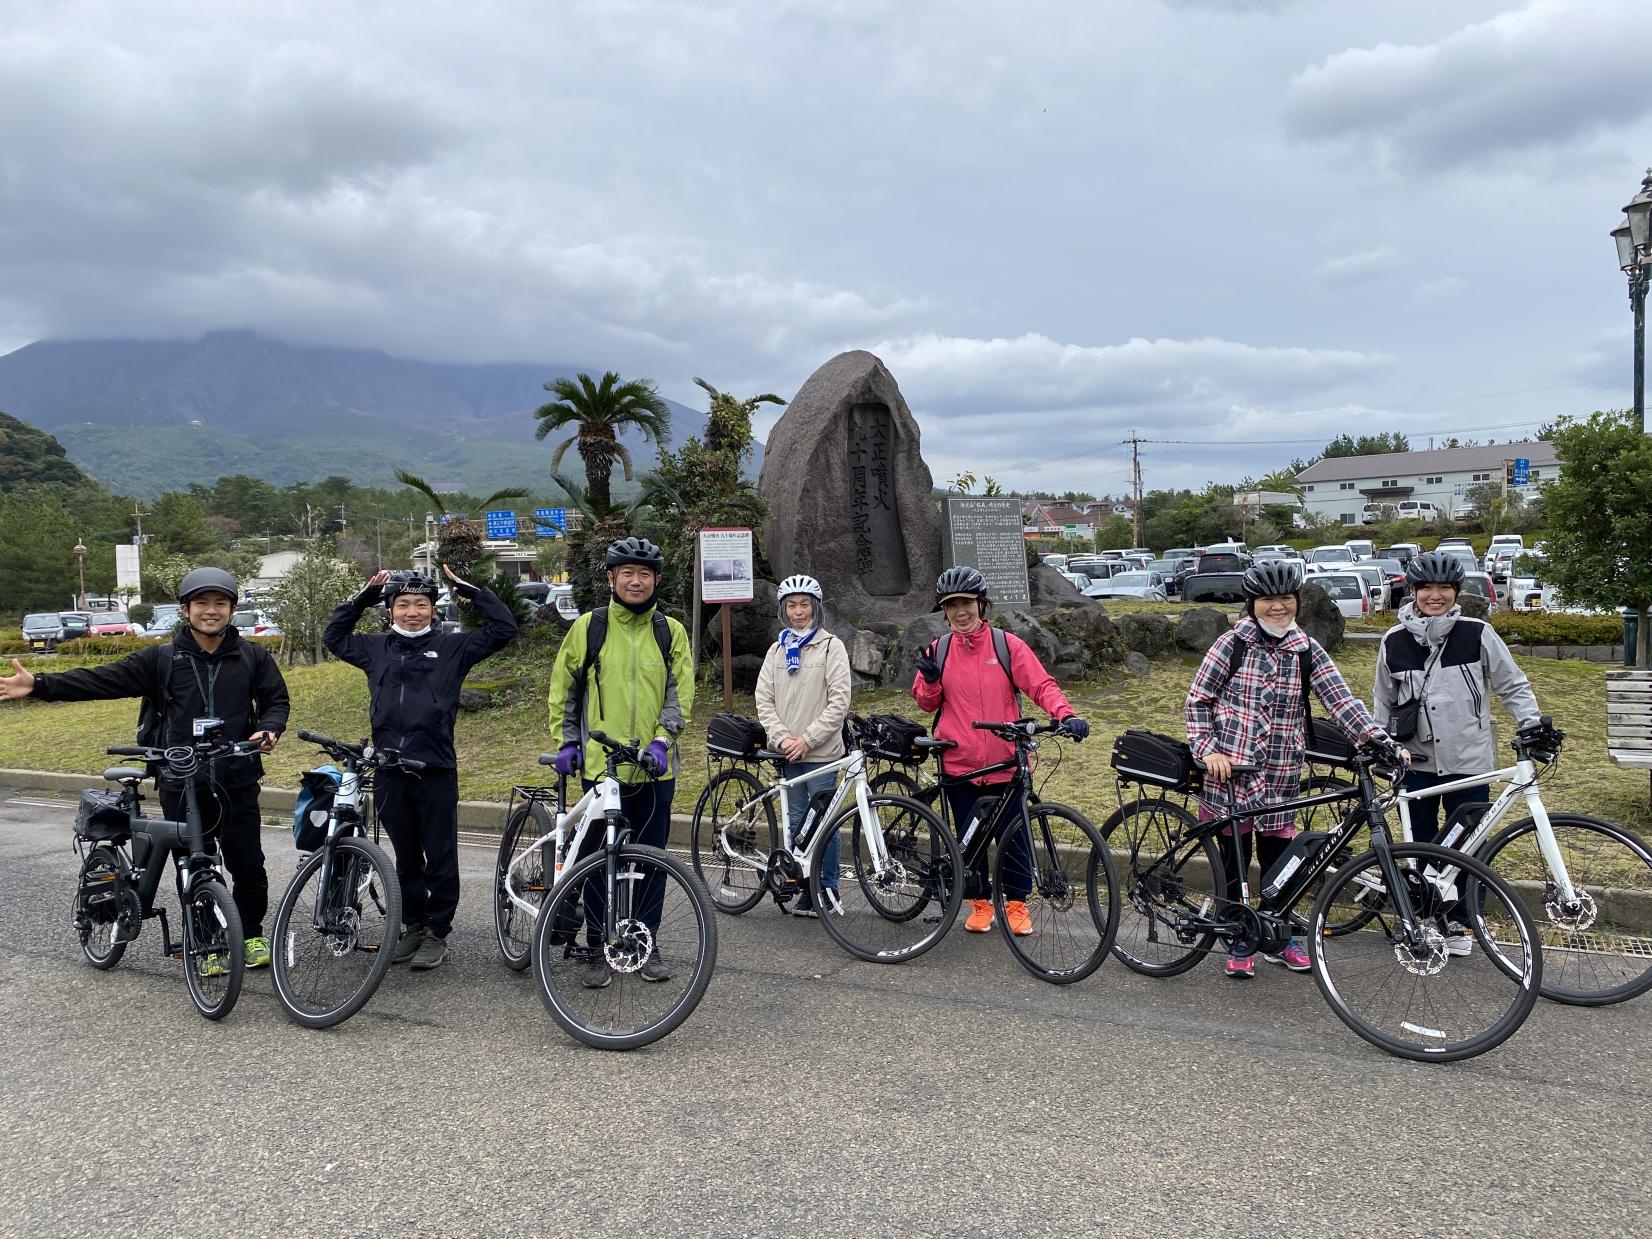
638 551
1273 576
1435 568
409 583
199 580
960 580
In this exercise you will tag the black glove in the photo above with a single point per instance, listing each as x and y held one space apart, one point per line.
369 596
928 667
1074 726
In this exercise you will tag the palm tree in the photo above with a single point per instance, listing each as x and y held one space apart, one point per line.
1281 481
600 411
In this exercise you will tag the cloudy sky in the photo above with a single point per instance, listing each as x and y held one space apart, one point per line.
1235 226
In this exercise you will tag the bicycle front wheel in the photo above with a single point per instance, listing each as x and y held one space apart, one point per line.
1595 950
215 953
512 926
334 939
625 991
890 903
1424 995
733 836
1168 882
1064 878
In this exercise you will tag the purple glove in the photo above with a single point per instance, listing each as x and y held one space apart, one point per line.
656 758
567 759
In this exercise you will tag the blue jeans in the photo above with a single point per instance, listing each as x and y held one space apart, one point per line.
962 798
797 804
1425 813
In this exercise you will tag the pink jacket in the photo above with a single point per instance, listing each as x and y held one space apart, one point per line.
974 688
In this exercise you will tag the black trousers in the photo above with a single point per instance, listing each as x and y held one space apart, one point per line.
647 809
1269 848
230 817
420 813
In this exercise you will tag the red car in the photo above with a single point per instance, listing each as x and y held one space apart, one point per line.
112 624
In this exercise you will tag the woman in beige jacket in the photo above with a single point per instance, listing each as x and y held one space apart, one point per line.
802 701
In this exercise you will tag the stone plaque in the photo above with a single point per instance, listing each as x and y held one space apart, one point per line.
880 553
985 533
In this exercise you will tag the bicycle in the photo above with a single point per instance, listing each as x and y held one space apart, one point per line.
900 876
118 880
336 924
1390 978
634 904
1581 875
1065 858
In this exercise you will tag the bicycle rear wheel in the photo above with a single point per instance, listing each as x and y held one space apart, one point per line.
892 907
894 783
1070 892
1595 951
215 953
512 927
1413 996
333 941
733 836
662 912
1164 879
102 900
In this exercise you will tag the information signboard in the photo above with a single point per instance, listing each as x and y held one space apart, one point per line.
725 565
986 533
501 525
1522 471
550 522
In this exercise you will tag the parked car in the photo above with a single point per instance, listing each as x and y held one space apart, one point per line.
1416 510
1394 570
1322 556
76 624
1404 552
1184 552
42 630
1215 560
535 592
1277 548
1214 587
1506 541
1528 593
1372 513
1499 563
1376 581
164 620
1464 552
113 624
1348 590
255 624
1077 580
1481 583
1454 540
562 596
1363 548
1055 561
1148 586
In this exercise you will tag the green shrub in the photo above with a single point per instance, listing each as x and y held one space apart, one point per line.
1542 628
114 647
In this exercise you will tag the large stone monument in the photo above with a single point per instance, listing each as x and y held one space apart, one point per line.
850 498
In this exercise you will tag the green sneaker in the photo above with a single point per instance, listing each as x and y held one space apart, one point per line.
407 944
432 953
212 966
258 952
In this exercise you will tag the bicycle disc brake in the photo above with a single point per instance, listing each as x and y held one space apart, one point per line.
1424 957
631 947
1574 918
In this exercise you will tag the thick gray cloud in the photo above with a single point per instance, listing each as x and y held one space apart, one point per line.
1056 222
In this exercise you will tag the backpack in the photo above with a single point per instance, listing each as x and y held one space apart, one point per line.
153 709
597 633
1000 647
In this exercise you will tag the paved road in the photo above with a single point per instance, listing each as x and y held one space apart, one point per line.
810 1093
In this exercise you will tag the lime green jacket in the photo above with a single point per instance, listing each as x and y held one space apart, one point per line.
632 694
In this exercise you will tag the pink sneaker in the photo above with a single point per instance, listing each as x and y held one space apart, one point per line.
1241 967
1294 956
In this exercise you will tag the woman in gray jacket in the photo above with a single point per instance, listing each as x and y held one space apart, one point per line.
1441 667
802 701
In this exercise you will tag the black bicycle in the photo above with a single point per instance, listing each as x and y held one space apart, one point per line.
336 925
1376 932
1064 868
122 856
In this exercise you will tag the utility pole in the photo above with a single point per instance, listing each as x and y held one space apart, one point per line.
341 525
1135 486
137 517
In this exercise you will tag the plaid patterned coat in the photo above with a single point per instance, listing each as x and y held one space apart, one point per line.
1257 717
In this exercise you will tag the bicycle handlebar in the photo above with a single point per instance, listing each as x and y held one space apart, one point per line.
380 758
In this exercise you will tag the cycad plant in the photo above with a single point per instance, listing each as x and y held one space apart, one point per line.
598 412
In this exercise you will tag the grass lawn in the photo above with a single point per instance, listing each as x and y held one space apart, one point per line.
498 746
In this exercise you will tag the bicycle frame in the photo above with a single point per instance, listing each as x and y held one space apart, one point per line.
601 800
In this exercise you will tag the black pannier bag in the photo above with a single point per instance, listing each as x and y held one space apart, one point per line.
1149 757
100 817
893 738
1327 742
729 735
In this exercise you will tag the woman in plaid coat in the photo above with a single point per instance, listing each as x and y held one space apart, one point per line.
1245 705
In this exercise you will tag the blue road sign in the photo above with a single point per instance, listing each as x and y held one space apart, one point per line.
556 518
1522 471
501 524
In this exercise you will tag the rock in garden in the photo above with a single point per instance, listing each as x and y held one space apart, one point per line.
1051 589
1198 628
1149 635
1319 617
1039 639
850 498
900 665
1136 664
1088 638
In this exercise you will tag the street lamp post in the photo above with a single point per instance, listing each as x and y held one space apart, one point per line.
429 537
1634 245
80 563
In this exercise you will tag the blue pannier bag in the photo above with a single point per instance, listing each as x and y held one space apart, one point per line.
314 806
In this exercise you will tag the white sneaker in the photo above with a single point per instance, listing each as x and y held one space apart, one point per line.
1459 939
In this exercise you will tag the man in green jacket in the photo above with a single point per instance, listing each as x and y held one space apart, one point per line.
632 679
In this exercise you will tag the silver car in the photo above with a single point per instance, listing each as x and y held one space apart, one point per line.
1147 586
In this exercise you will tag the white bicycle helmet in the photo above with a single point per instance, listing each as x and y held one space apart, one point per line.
799 584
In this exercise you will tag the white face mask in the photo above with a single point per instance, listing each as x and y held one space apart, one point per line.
1271 630
404 632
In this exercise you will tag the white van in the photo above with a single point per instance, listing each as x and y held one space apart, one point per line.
1363 548
1417 510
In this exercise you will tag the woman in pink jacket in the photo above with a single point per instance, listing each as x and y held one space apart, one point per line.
973 685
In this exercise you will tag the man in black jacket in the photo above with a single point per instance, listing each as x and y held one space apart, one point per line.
414 674
205 671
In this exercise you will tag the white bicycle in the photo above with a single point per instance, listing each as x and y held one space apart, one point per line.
1587 882
900 877
621 936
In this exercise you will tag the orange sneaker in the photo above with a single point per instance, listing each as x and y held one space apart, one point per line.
980 916
1015 912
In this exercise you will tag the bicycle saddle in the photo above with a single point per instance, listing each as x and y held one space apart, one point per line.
125 774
